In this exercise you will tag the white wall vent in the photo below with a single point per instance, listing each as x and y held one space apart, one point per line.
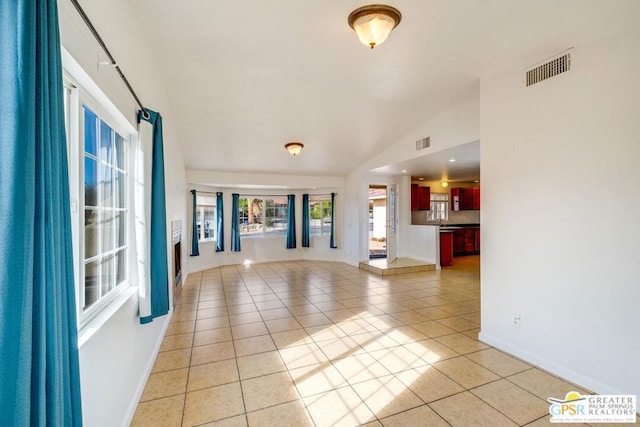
423 143
558 65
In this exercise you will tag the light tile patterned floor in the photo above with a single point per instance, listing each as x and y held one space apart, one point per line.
326 344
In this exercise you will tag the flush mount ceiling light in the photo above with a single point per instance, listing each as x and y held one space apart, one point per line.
444 184
294 148
373 23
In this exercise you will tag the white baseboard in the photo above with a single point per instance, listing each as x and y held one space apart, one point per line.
579 379
143 382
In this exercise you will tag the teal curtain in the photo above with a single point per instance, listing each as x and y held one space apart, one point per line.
219 223
39 373
235 222
195 250
332 240
305 221
159 266
291 221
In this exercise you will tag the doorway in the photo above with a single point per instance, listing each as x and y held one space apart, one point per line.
377 221
383 221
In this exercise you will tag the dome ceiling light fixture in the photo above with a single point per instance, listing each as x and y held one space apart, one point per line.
373 23
294 148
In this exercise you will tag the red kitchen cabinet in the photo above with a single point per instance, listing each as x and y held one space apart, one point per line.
458 242
469 240
446 249
475 198
424 198
466 241
464 199
414 197
420 198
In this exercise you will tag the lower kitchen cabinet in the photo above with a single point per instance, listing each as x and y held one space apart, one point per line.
466 241
458 242
446 249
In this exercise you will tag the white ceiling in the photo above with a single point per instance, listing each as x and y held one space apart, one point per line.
456 164
245 77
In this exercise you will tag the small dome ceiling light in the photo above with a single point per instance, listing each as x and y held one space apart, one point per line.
373 23
294 148
444 184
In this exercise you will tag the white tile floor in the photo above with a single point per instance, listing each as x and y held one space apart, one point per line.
325 344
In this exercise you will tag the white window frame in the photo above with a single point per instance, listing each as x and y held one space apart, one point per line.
75 97
205 203
439 207
325 226
259 230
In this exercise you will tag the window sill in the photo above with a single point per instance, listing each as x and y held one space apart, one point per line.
279 235
90 329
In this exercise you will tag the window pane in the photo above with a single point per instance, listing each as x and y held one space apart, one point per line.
276 215
90 126
108 228
105 187
121 266
119 189
439 209
90 182
315 222
209 222
90 283
120 227
326 217
91 218
120 155
106 146
250 215
320 213
107 278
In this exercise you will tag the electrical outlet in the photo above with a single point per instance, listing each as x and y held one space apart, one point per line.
515 321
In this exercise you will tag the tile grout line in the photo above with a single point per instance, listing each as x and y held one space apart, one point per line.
186 386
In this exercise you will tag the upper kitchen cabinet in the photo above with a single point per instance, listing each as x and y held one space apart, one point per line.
420 198
465 199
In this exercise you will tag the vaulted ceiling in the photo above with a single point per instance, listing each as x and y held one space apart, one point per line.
245 77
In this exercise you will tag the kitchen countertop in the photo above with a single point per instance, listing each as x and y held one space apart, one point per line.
450 228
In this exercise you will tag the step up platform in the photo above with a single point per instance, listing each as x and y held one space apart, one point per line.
398 266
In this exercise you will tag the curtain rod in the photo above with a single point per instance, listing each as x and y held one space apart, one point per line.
113 62
206 192
257 196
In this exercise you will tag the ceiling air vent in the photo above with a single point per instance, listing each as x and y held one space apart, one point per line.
423 143
555 66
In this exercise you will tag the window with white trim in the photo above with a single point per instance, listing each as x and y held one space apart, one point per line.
439 210
206 217
99 180
319 215
263 216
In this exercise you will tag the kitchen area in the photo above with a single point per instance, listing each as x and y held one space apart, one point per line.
454 209
443 202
